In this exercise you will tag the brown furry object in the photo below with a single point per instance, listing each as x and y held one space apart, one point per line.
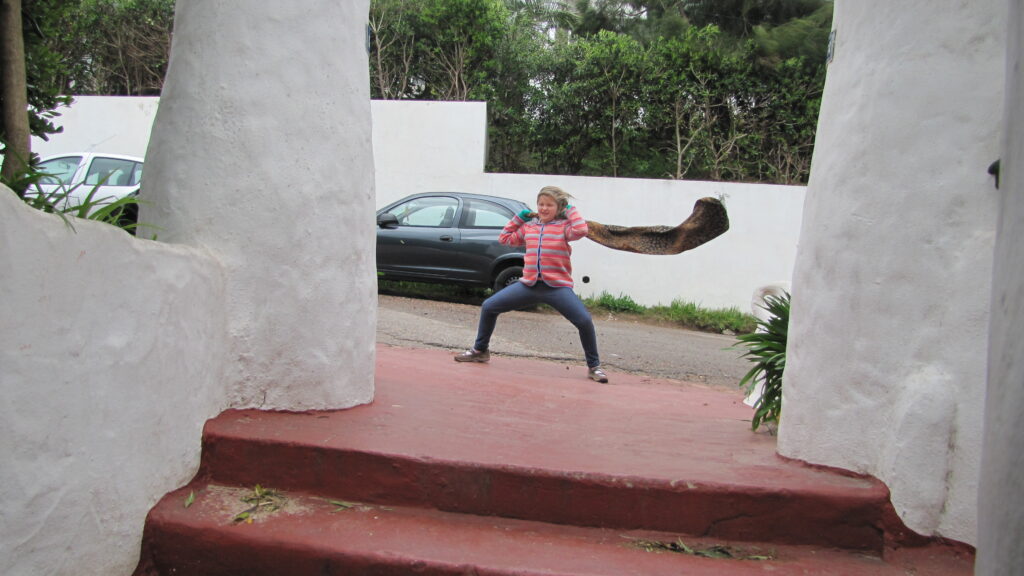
708 221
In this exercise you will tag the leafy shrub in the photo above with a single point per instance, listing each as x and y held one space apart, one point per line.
766 348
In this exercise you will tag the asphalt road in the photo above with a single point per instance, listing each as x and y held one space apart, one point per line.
626 345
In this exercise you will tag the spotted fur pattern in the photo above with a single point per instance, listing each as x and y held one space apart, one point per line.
708 221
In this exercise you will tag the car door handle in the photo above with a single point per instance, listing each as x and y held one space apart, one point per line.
446 238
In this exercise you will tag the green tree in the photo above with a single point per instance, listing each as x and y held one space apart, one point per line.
788 100
106 47
512 89
123 46
589 114
32 77
393 59
458 40
738 18
13 92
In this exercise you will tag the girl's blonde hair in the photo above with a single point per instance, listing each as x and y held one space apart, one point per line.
561 197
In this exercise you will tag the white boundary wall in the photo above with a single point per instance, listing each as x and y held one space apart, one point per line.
428 146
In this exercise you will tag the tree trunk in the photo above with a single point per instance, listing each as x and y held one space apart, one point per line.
13 91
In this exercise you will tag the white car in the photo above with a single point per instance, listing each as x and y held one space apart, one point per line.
79 173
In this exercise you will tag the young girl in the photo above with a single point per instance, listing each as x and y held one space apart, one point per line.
547 275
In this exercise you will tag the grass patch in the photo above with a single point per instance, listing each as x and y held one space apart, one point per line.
693 316
620 303
685 314
429 291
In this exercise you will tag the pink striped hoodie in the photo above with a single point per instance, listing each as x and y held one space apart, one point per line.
547 246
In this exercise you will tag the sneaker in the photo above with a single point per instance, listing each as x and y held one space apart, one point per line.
473 355
597 375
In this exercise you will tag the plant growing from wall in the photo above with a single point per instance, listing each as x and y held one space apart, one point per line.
121 212
766 348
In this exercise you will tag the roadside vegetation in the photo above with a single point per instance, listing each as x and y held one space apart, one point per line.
766 348
724 90
679 313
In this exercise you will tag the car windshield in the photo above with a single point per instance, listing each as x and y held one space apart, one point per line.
59 170
435 212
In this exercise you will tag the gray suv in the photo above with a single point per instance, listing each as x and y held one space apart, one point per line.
448 237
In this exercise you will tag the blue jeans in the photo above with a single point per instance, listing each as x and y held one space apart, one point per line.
519 295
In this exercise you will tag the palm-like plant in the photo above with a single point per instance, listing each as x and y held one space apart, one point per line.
766 348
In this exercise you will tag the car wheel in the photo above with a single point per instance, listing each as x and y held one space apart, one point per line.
509 275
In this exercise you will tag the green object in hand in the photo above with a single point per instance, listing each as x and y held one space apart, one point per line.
525 214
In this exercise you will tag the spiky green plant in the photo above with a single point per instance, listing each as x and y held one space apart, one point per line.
766 348
122 212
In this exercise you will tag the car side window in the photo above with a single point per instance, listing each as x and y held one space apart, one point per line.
483 214
430 212
136 174
60 170
110 172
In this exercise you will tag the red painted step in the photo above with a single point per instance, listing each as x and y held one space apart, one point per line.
312 536
524 467
536 441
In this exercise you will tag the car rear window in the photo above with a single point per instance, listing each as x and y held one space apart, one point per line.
483 214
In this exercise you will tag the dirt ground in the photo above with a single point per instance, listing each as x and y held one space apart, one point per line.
625 344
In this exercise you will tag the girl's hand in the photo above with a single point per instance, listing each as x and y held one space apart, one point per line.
525 214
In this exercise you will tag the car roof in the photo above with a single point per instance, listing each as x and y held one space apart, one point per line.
507 202
93 155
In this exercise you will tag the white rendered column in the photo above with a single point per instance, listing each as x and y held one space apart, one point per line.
888 338
261 153
1000 499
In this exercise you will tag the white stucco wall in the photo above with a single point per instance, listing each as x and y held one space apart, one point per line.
109 124
426 145
1000 499
261 152
111 360
759 248
429 146
888 334
115 350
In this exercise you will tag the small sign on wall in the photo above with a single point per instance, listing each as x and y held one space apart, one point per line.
831 47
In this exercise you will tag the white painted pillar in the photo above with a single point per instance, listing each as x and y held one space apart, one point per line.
1001 494
888 337
261 153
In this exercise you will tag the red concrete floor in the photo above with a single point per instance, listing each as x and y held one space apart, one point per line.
558 458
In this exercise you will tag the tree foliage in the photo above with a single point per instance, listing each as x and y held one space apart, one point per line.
124 46
696 89
102 47
723 90
42 69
